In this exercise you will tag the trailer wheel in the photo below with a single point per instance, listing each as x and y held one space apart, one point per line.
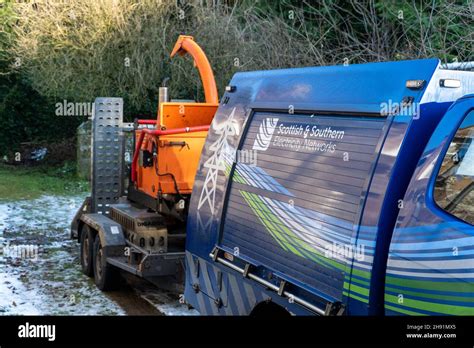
106 276
87 248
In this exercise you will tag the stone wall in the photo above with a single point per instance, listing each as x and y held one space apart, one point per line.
84 134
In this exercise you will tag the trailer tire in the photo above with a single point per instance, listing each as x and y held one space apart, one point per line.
87 249
106 276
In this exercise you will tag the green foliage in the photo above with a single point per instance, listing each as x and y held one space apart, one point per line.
442 28
25 114
8 18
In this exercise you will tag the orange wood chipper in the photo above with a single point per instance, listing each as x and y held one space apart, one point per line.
166 156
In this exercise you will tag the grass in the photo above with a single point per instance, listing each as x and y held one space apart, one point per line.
17 183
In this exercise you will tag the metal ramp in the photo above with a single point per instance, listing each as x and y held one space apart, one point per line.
107 153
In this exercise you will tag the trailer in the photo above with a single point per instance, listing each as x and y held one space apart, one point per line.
343 190
135 219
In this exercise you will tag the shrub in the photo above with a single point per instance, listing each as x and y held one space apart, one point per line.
80 49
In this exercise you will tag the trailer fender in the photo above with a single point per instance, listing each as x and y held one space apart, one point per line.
76 224
110 233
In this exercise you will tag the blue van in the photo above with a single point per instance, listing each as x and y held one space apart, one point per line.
342 190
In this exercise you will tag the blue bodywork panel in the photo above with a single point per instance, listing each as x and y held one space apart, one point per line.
300 180
430 268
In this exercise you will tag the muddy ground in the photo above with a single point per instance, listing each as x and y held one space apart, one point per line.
40 272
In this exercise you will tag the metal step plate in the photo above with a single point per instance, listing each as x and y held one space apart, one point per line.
107 153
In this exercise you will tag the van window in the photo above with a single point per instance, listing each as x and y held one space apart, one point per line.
454 189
